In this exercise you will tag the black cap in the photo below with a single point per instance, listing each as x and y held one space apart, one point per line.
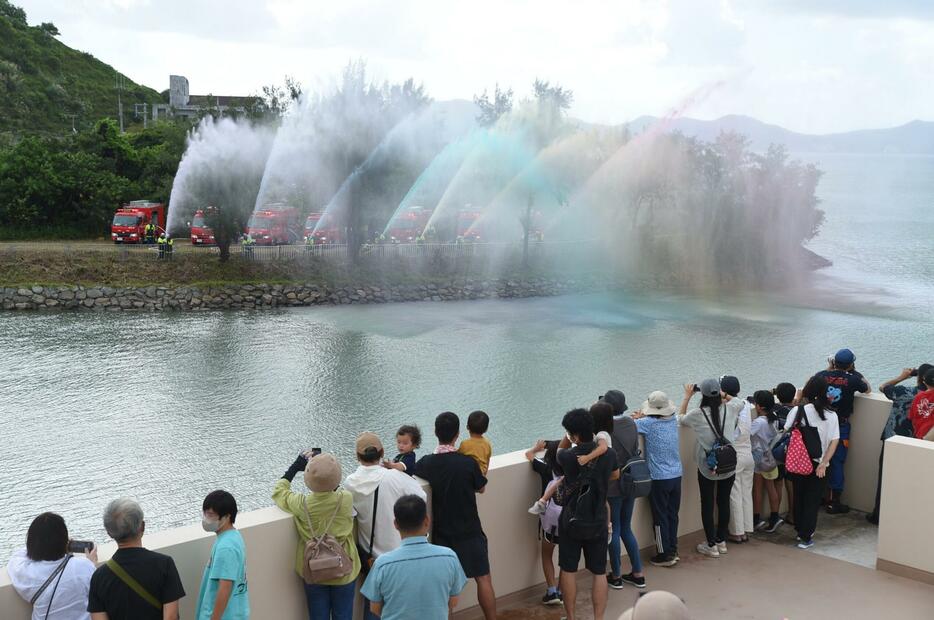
615 399
730 385
929 377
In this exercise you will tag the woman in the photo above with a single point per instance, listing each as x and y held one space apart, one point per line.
718 411
65 596
625 441
813 411
764 429
548 519
741 510
332 600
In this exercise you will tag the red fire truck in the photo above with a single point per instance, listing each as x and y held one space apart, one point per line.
408 226
200 233
468 227
329 231
130 220
274 224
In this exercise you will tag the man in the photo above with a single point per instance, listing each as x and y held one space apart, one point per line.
898 422
455 480
375 490
150 232
921 413
136 584
418 580
843 382
223 593
579 426
162 241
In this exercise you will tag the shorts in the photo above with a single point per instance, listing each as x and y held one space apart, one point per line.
471 552
772 474
552 538
594 550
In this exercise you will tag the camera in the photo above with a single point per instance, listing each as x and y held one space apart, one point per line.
696 388
80 546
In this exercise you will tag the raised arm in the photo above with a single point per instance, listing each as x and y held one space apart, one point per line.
905 374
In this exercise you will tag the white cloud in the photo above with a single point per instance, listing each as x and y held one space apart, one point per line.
845 66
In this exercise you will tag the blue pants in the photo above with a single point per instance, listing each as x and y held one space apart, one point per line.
621 518
330 602
835 477
666 502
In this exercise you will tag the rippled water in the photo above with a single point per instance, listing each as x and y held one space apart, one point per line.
168 407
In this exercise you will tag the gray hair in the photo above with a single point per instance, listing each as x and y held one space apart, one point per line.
123 519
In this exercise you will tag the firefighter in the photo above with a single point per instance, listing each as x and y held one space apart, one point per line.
162 245
247 242
149 232
169 246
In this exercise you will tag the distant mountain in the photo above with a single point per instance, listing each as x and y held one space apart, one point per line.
916 137
44 83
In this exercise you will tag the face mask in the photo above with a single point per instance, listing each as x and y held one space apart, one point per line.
210 525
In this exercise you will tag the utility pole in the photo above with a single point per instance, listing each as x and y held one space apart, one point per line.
119 85
72 117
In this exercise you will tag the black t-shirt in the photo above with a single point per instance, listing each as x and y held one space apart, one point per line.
842 385
605 466
154 571
454 479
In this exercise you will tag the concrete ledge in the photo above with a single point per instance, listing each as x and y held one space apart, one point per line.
900 570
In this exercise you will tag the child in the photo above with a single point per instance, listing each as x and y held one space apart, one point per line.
548 520
408 440
763 430
604 443
477 446
659 428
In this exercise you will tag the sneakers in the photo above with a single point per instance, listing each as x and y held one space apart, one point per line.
664 559
615 582
721 547
705 549
552 598
631 579
761 525
774 524
836 508
806 544
538 508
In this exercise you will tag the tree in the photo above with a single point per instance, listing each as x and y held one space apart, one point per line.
559 97
49 28
492 110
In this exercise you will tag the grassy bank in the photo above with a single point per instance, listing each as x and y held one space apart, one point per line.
61 268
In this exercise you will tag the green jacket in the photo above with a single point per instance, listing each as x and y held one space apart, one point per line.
320 506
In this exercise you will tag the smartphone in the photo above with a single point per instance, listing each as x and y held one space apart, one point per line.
696 388
315 452
80 546
914 373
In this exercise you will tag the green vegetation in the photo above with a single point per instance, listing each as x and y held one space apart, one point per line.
45 85
69 188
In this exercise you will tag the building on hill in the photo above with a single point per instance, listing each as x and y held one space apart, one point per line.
191 107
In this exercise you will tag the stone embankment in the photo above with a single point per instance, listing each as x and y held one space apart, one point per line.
233 297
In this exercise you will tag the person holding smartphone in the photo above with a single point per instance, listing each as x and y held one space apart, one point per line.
52 572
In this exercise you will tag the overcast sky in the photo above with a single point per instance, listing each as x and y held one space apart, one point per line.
808 65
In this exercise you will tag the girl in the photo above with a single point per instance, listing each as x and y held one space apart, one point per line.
809 489
764 429
717 416
548 520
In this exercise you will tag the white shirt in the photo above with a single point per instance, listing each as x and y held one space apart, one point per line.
392 484
605 436
71 597
828 429
741 440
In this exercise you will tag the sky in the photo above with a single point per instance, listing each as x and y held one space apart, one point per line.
815 66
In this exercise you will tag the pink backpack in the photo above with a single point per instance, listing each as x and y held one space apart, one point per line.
797 460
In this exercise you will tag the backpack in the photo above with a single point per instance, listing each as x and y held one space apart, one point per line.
325 558
549 519
803 445
762 453
585 514
635 480
721 458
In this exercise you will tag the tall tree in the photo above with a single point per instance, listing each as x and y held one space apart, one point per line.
492 109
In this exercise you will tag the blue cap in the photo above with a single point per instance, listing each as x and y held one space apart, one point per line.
844 357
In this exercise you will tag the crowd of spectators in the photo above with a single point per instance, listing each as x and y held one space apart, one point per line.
375 528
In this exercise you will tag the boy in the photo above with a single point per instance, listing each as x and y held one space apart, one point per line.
477 446
223 592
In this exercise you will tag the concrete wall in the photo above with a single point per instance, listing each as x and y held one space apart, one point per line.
271 539
906 547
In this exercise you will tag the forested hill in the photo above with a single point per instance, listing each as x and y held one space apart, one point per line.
43 82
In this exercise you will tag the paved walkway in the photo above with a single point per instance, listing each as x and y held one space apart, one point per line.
764 580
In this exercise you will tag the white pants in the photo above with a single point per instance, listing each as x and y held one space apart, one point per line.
741 496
